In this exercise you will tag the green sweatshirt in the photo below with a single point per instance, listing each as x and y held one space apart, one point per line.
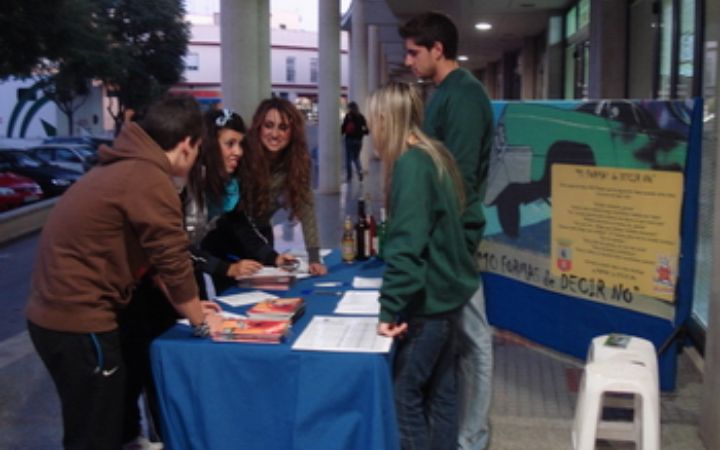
460 116
429 271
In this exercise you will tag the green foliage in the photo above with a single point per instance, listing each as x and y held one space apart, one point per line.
135 47
21 46
149 40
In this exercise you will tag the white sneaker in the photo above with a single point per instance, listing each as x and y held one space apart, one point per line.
142 443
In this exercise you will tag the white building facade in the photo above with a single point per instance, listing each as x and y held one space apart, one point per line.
294 69
26 114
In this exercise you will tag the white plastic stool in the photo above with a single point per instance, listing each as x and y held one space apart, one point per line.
604 348
629 370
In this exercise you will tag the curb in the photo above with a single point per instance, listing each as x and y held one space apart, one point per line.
24 220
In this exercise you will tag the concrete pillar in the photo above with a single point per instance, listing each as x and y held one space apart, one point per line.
265 49
373 69
384 68
359 67
373 59
710 408
245 54
329 148
358 53
608 49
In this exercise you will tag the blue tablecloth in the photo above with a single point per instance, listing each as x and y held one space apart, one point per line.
218 396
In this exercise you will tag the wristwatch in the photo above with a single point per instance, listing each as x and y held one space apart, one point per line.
202 330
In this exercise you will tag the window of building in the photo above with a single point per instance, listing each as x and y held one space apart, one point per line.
577 50
192 61
313 70
666 49
583 13
290 69
686 49
571 22
678 74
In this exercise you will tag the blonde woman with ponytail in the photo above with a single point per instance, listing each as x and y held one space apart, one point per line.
430 273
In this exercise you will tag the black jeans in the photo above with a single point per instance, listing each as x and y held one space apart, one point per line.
148 315
89 375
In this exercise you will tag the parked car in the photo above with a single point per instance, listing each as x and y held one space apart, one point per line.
92 141
77 157
53 180
530 138
16 190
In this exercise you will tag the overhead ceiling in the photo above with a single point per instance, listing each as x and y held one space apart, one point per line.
512 21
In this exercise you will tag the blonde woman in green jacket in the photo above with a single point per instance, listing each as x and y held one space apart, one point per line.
430 273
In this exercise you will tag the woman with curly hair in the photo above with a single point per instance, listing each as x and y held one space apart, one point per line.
275 174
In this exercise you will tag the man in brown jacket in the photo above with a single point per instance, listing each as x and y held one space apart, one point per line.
121 218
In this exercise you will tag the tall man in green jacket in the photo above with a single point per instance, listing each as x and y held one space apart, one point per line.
459 114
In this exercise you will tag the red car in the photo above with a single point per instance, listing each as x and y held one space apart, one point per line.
16 190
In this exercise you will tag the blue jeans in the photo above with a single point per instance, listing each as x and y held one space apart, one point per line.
425 384
352 156
474 374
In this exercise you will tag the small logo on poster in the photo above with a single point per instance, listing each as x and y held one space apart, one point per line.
664 276
564 259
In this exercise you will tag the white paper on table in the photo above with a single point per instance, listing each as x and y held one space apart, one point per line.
359 302
245 298
268 271
223 314
343 334
367 283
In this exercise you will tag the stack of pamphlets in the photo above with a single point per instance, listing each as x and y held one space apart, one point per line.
249 330
278 309
270 278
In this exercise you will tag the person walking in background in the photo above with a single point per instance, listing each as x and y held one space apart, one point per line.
353 128
121 218
275 174
429 273
459 114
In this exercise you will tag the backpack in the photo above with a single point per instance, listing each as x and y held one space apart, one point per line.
350 128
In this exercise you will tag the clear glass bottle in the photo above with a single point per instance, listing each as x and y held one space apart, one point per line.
347 245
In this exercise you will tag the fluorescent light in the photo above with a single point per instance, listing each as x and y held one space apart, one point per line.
462 58
483 26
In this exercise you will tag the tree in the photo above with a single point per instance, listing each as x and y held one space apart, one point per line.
29 31
134 47
148 42
66 79
60 43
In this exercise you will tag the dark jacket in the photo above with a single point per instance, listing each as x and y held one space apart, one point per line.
120 218
354 126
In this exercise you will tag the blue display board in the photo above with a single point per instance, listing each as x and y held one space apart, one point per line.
522 295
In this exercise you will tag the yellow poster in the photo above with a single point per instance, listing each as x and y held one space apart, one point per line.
617 229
